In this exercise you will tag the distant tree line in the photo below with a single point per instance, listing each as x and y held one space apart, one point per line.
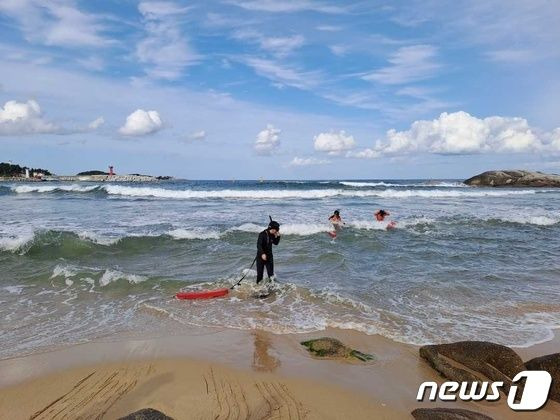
7 169
93 173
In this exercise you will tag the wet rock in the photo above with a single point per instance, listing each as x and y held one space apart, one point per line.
146 414
494 361
331 348
550 363
447 414
515 178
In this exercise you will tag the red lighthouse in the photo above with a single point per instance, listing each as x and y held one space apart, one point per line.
111 173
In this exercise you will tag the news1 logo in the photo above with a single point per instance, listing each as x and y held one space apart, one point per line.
534 395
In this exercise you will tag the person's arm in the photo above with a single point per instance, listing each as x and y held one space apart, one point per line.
276 239
261 243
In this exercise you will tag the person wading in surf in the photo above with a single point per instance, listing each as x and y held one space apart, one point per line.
380 216
337 223
268 237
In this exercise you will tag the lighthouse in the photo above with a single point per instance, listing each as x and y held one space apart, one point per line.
111 173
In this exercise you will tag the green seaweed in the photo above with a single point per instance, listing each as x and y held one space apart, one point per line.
326 347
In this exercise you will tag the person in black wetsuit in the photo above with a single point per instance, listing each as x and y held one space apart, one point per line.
268 237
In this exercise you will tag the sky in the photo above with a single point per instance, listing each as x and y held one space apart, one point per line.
308 89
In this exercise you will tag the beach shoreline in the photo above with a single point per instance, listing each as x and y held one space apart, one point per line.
384 388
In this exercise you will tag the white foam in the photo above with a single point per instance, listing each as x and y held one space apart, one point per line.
97 238
65 271
369 224
111 276
417 184
23 189
15 242
302 194
298 229
370 184
14 290
531 220
193 234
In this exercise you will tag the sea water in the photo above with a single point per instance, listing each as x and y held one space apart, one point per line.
87 261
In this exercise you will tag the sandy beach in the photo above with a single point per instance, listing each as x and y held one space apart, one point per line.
220 374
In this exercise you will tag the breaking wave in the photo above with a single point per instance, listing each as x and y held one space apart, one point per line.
270 194
30 241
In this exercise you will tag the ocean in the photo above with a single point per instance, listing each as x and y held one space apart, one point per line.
82 262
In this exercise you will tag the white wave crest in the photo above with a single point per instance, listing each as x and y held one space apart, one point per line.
302 194
111 276
16 242
97 238
298 229
369 224
65 271
357 184
368 184
193 234
23 189
531 220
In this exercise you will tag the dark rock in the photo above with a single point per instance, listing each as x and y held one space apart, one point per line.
550 363
515 178
332 348
494 361
447 414
146 414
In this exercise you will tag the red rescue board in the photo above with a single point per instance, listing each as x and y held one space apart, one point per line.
202 294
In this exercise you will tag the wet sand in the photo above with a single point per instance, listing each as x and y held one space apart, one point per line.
241 374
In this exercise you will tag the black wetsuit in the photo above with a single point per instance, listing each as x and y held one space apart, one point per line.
264 246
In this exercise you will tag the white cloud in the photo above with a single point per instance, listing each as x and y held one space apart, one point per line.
339 50
462 133
268 140
141 122
95 124
333 143
328 28
288 6
165 50
511 55
408 64
18 118
58 23
282 75
297 161
282 46
197 135
92 63
279 46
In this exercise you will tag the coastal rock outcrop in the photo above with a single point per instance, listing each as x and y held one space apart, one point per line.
146 414
447 414
514 178
331 348
496 362
550 363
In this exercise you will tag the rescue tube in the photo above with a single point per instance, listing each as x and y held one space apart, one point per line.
202 294
332 234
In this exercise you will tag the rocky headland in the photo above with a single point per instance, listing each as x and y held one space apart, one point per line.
514 178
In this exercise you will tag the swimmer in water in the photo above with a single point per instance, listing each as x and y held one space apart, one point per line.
337 223
380 216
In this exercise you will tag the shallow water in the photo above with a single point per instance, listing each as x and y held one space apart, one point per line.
84 261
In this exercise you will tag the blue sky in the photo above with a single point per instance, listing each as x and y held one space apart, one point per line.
281 89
